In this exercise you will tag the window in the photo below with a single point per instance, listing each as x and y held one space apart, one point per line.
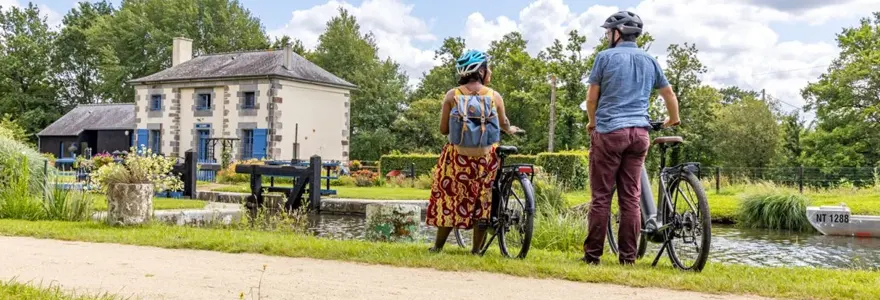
204 102
247 144
250 100
156 141
156 102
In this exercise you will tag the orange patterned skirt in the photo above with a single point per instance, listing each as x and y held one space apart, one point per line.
460 183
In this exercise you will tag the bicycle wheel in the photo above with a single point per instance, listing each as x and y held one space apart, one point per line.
516 218
613 225
692 223
461 239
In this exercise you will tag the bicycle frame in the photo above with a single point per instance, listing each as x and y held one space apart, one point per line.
504 172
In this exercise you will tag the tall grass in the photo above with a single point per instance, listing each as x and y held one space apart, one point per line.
557 228
19 201
774 208
13 153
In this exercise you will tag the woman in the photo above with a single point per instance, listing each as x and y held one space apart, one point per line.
460 194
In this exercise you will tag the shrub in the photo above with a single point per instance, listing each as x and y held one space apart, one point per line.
17 200
423 162
570 168
65 205
560 232
9 129
549 197
521 159
14 152
343 180
227 175
366 178
141 167
425 181
774 209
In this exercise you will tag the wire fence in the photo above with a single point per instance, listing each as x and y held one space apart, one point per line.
796 177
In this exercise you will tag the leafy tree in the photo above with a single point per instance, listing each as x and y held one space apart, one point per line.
847 102
417 128
75 61
747 134
733 94
136 40
791 149
295 44
440 79
697 103
26 90
566 61
343 50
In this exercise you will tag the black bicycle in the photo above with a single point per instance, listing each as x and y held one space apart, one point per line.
512 214
682 220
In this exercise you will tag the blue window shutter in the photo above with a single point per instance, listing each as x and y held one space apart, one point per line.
259 151
143 136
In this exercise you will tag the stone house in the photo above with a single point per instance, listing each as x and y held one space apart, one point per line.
276 103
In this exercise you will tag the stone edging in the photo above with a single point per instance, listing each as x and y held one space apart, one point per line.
328 205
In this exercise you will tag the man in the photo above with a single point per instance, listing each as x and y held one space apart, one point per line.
624 75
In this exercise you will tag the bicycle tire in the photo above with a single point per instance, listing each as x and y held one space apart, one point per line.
705 221
459 238
528 216
642 245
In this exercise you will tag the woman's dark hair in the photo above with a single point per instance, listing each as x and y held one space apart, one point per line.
475 76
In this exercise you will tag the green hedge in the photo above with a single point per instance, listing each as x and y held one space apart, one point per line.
426 162
570 168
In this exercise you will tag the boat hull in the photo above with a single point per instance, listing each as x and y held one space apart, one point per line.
838 220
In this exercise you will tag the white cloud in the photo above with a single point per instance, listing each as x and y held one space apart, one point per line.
53 18
391 21
735 39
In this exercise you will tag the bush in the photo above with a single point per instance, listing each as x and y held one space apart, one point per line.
343 180
775 209
366 178
9 129
140 167
560 232
521 159
17 200
549 197
14 152
227 175
423 162
570 168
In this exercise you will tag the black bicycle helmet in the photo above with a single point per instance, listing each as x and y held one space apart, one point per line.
625 22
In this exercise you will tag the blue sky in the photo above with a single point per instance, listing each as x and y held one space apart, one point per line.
778 45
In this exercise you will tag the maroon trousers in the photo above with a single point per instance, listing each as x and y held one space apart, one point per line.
616 158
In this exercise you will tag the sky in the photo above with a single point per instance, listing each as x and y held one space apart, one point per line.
775 45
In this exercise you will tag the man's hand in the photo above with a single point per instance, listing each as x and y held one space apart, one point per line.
590 127
671 122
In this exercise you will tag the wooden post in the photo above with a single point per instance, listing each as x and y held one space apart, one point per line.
717 180
315 183
190 174
552 134
801 179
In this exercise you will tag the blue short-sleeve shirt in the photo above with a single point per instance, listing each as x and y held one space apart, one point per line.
626 76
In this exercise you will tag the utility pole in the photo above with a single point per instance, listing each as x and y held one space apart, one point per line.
763 96
552 135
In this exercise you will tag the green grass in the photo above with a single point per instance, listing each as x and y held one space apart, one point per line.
158 203
370 193
20 291
716 278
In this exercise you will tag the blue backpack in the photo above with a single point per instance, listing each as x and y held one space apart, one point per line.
473 121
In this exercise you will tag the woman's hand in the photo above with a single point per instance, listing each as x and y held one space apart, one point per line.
515 130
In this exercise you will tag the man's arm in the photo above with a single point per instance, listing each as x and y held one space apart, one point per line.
595 81
665 89
592 103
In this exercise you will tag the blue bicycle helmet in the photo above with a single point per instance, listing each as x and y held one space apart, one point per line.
470 62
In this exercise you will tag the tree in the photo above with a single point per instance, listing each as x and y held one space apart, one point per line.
697 103
136 41
417 128
791 149
75 61
847 102
440 79
296 45
733 94
344 51
566 61
751 141
26 90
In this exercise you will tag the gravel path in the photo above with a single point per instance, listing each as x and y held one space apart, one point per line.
155 273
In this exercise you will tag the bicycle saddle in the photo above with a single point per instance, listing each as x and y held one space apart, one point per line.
668 140
507 150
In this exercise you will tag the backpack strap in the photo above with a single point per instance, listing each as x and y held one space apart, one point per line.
462 112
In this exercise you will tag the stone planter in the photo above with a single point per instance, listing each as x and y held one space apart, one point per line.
129 204
393 222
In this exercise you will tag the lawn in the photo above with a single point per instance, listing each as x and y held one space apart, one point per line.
349 192
158 203
15 290
716 278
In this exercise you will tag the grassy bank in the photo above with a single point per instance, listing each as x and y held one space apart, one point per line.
19 291
100 202
370 193
716 278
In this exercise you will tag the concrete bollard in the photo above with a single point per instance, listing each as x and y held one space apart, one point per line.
393 222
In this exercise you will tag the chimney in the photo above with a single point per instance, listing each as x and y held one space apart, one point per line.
181 50
288 57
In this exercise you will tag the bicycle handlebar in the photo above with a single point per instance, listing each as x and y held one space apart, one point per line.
656 126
